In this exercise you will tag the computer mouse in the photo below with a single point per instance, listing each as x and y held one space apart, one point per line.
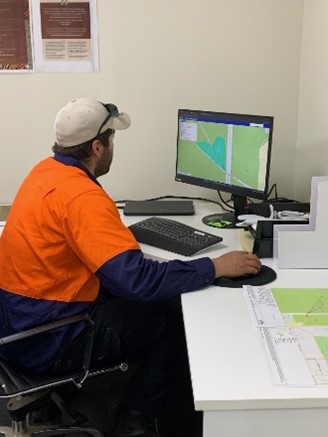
264 276
250 217
249 220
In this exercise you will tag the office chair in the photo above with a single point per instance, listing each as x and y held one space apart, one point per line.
28 393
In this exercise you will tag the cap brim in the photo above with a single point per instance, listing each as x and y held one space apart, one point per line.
120 122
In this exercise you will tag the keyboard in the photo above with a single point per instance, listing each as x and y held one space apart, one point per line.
172 235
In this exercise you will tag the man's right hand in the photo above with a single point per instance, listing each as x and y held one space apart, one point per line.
236 263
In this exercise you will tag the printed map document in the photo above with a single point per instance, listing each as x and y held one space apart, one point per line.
293 326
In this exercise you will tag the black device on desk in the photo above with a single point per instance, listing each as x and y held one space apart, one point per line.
159 207
263 235
284 208
172 235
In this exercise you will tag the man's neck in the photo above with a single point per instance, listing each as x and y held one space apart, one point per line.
69 160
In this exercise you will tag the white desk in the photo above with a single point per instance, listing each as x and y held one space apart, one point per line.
231 378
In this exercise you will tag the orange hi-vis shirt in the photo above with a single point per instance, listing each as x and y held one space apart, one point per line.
60 200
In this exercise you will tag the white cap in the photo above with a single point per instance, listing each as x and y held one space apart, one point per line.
82 119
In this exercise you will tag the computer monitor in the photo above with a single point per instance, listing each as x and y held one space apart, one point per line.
227 152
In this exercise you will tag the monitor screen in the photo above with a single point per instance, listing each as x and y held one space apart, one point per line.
227 152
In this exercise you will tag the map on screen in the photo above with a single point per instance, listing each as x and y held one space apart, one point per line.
230 152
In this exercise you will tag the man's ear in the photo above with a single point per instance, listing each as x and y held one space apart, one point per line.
96 148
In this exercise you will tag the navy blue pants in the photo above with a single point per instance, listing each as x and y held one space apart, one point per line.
151 337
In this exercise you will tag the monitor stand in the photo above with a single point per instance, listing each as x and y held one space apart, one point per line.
228 219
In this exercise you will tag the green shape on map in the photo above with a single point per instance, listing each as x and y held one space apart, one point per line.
216 151
322 343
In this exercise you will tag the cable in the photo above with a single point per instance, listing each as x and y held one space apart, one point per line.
276 198
228 208
274 187
282 200
223 204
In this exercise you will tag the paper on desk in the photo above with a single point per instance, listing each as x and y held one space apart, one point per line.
293 307
293 326
294 356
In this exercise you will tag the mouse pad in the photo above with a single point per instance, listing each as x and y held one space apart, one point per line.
265 276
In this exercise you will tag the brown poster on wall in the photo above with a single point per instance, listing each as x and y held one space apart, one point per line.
15 35
65 35
65 30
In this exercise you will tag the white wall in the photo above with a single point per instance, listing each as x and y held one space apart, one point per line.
312 137
157 56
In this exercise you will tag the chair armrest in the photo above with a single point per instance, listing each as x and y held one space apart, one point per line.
80 377
46 327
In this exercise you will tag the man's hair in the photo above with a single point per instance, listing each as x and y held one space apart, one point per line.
83 151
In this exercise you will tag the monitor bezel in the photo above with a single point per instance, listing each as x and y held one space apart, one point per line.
221 186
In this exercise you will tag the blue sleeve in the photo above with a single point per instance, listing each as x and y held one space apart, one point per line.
132 276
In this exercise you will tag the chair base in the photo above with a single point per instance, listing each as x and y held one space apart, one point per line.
68 422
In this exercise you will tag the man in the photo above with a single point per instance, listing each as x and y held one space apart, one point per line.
64 251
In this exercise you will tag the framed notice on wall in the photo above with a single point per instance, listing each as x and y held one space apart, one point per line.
65 35
15 36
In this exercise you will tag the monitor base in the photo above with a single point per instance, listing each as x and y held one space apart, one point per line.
226 220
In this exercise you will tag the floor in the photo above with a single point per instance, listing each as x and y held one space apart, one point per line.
100 397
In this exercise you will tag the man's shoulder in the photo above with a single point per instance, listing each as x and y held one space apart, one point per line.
63 184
